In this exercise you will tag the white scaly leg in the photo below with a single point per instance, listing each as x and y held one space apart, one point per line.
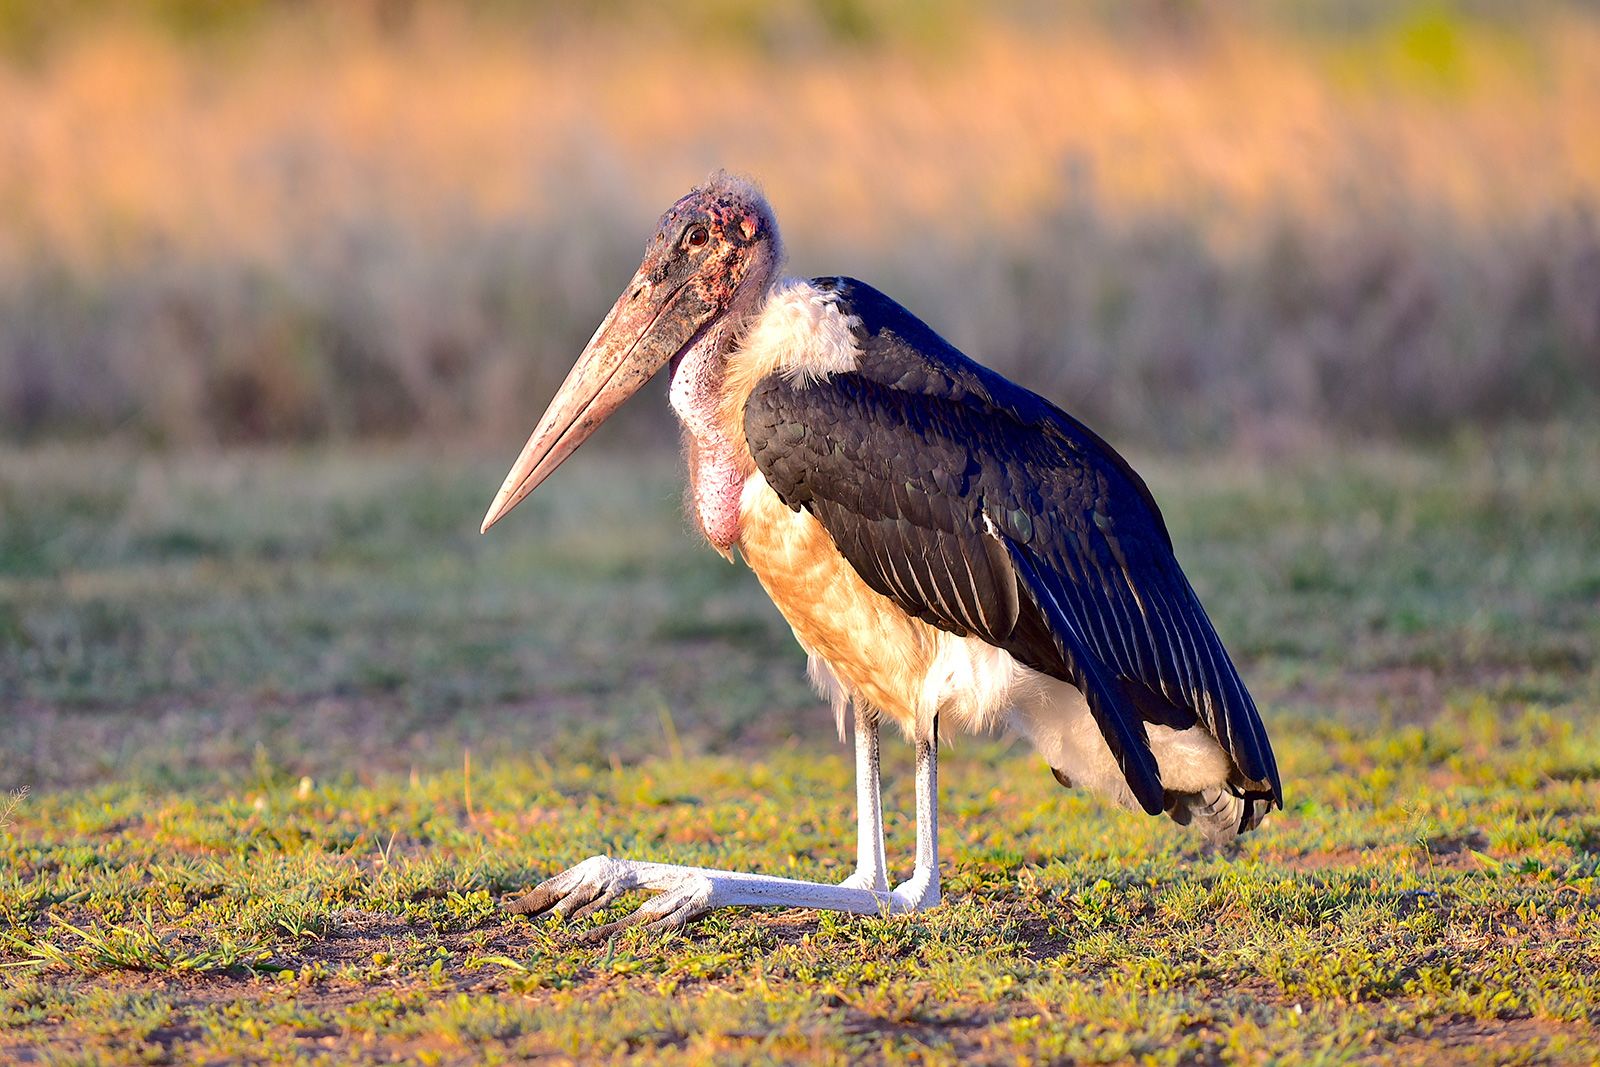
921 890
685 893
872 867
688 892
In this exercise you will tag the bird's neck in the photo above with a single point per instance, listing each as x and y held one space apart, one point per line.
794 329
718 460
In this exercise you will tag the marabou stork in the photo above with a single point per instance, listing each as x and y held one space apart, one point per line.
948 547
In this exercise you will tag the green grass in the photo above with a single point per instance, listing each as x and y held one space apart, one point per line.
289 729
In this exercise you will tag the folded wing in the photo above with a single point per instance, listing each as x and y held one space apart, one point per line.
984 510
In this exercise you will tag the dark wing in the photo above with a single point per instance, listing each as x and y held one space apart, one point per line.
983 509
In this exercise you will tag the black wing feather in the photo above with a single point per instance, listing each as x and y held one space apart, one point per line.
1118 722
983 509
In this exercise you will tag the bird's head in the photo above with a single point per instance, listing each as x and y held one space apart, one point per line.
711 259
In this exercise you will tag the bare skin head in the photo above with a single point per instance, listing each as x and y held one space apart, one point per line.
712 256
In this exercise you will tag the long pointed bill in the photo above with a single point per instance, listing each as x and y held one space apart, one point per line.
640 335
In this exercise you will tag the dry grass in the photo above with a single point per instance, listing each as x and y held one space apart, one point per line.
339 224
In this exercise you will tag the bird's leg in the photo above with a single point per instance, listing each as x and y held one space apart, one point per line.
872 867
921 890
687 892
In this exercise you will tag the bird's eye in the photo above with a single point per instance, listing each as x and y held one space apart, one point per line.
696 237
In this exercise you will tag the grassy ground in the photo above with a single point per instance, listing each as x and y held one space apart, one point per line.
290 728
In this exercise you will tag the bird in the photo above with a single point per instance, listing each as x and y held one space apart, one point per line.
950 549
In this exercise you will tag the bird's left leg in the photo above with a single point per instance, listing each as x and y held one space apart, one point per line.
687 892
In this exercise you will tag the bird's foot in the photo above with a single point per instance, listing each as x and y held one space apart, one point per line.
686 893
584 889
917 893
579 890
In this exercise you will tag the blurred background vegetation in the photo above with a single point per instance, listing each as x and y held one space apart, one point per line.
231 221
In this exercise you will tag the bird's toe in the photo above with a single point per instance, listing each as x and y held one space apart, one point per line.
672 909
576 891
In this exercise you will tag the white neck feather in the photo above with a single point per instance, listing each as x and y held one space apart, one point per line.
797 330
801 333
